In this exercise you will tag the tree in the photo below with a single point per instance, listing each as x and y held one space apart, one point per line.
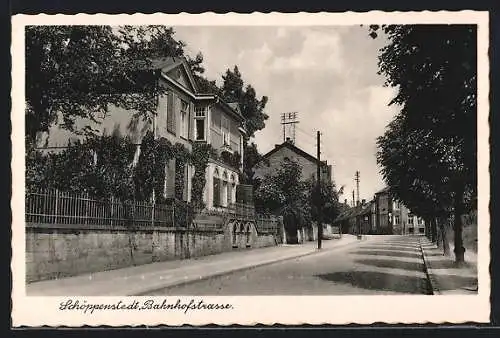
284 193
433 68
252 109
251 158
405 157
326 201
76 72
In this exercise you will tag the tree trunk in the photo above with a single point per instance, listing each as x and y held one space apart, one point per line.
458 226
439 235
444 237
428 232
433 226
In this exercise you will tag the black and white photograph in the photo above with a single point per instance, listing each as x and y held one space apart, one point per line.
180 161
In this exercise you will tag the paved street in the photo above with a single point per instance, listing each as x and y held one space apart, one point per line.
375 265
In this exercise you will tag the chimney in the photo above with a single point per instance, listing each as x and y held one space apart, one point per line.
363 201
288 140
345 201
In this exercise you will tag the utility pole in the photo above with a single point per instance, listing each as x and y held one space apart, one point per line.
291 120
318 182
353 203
356 178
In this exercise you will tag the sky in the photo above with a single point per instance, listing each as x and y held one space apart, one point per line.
328 74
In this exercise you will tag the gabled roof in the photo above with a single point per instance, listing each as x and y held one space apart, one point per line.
295 149
168 63
358 210
232 108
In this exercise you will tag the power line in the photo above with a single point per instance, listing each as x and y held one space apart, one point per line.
309 133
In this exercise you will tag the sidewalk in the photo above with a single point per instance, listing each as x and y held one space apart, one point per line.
444 275
139 280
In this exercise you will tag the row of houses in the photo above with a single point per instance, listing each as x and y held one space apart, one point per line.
382 215
186 115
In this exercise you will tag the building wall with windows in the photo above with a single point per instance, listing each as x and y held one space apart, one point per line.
224 130
395 218
287 150
183 115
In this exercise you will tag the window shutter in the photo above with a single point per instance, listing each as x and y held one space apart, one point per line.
170 112
170 179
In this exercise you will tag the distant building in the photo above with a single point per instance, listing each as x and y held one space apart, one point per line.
382 215
288 150
357 219
392 217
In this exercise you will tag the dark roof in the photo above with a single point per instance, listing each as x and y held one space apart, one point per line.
295 149
358 210
386 189
233 107
162 62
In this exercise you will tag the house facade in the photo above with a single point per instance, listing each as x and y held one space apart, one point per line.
184 115
356 220
382 215
288 150
392 217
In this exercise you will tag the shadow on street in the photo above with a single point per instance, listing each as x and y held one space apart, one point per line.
389 253
449 264
378 247
383 263
379 281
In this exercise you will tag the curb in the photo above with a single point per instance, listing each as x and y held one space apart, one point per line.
222 273
428 272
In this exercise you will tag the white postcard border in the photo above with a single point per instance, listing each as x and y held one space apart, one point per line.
37 311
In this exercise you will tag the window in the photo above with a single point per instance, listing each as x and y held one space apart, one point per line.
410 219
200 111
217 188
184 119
200 130
421 230
396 219
410 230
199 124
420 221
226 198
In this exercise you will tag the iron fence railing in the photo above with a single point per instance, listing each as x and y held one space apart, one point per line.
52 206
56 207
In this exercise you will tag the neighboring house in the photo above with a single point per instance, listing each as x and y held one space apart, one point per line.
287 150
184 115
357 219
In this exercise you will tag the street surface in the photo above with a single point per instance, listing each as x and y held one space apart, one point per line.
374 265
